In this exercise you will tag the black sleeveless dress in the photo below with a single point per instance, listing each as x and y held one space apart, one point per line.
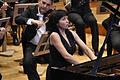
56 59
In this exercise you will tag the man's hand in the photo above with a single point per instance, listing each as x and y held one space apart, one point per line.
37 23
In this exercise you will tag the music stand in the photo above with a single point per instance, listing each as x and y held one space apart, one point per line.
4 52
43 45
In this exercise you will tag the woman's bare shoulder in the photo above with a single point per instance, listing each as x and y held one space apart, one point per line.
54 38
54 35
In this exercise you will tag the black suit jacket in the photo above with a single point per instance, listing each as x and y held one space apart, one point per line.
30 31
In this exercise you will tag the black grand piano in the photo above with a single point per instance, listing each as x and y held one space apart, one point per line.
108 69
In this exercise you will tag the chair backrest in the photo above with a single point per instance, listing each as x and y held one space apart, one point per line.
43 45
19 8
4 23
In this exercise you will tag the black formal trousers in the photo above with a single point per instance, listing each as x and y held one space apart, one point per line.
80 20
30 61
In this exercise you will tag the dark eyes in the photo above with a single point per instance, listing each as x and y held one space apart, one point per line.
64 18
45 3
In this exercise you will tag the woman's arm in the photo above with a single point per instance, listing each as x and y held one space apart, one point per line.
56 41
83 46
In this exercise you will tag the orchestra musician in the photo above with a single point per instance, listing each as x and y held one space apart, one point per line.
9 13
34 18
81 15
3 7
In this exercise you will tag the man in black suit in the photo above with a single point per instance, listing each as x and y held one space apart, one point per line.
81 15
34 18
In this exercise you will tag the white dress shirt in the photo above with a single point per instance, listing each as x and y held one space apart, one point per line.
40 31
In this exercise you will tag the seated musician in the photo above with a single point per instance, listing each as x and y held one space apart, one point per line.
114 37
63 42
9 13
81 15
34 18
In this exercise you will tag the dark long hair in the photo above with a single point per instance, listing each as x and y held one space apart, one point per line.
54 20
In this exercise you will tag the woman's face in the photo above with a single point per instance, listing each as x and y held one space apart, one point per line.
64 22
